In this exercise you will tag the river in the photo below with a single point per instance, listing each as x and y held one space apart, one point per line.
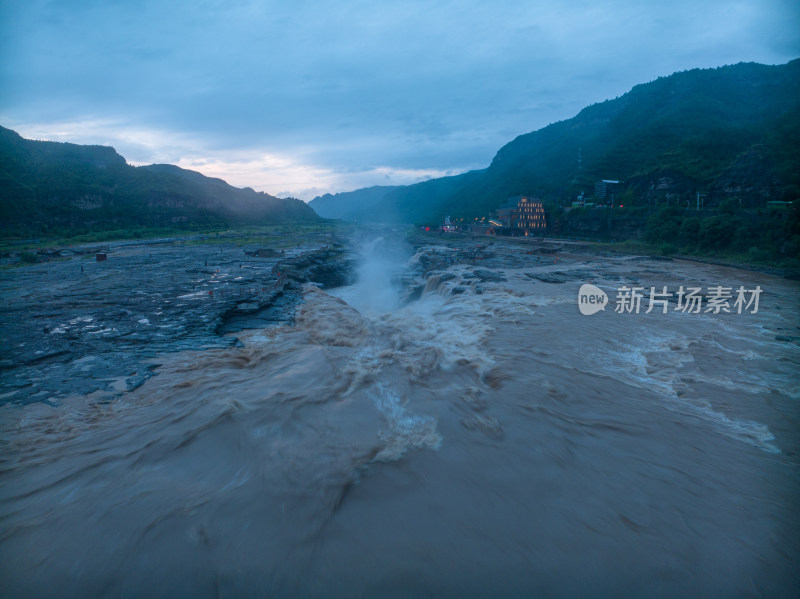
442 428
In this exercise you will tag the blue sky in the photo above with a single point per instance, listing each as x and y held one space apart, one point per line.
306 97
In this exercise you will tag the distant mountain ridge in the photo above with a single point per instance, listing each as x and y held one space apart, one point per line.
733 131
348 205
62 188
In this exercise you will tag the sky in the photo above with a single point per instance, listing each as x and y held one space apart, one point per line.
300 98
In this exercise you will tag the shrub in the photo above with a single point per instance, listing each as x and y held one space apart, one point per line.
755 254
689 232
663 226
667 249
716 233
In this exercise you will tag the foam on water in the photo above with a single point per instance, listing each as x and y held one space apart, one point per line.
405 431
657 365
455 327
487 413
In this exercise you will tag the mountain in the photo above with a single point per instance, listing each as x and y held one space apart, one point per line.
51 188
348 205
729 132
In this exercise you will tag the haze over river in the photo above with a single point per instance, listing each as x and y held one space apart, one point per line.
442 428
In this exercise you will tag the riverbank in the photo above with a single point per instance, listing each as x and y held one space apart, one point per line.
76 325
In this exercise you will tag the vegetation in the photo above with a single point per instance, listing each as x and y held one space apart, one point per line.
767 236
276 236
28 258
730 134
53 189
731 130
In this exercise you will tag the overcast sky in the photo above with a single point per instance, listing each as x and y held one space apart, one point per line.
302 98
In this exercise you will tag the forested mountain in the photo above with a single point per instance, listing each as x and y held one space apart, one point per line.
348 205
729 132
62 188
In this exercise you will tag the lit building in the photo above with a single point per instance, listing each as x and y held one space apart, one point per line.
447 226
524 214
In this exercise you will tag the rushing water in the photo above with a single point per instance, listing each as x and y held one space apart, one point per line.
485 439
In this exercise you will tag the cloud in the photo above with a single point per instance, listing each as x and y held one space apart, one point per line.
275 173
350 87
300 180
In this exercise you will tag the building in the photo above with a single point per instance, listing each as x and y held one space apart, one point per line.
606 190
523 214
447 226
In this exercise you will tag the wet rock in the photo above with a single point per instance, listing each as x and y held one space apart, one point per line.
562 276
547 277
414 292
486 276
263 253
328 267
332 274
77 326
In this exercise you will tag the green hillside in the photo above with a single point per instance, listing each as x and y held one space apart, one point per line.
49 188
730 132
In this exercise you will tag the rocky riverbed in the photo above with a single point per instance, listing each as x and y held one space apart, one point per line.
77 326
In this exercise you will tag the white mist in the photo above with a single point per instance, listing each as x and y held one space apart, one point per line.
377 289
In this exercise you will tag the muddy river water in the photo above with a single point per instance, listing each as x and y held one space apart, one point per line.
477 437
